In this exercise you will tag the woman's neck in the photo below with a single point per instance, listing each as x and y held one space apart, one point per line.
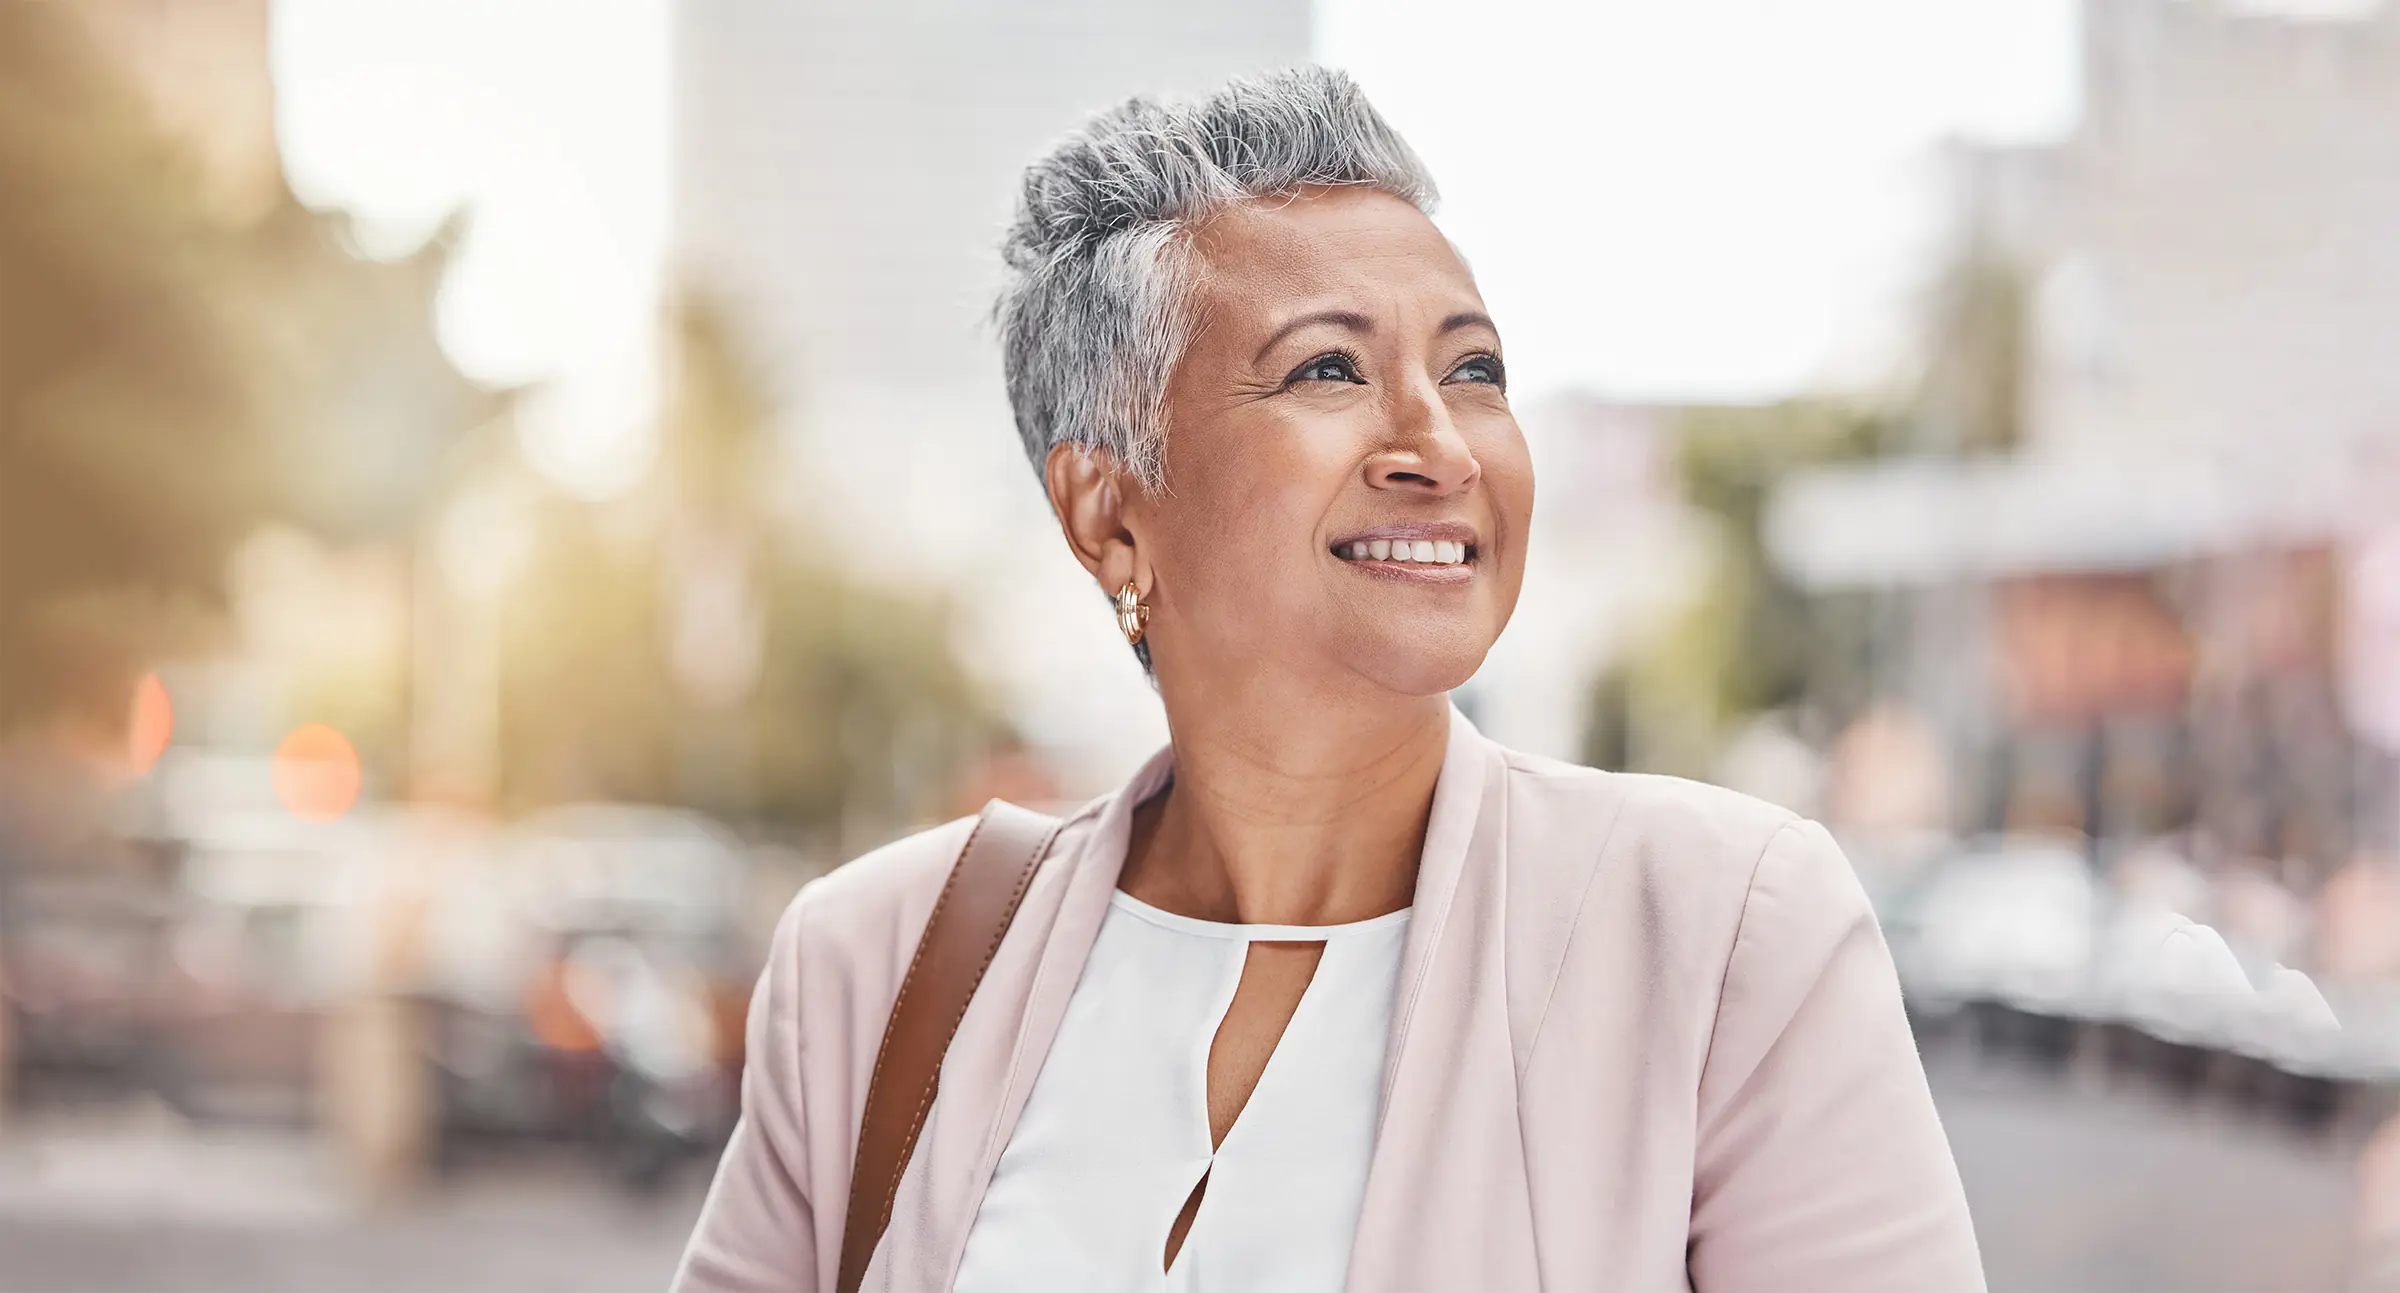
1290 813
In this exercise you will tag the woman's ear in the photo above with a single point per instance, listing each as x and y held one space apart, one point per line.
1089 492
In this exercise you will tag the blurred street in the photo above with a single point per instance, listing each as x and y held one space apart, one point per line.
2079 1191
125 1204
2074 1192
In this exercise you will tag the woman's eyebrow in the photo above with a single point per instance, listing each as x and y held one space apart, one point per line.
1348 320
1469 319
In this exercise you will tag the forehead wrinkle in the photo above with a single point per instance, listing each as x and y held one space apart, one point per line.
1260 264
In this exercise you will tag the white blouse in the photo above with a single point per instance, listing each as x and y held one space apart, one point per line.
1114 1134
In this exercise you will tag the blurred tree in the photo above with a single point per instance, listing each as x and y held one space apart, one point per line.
1970 395
1749 640
172 375
690 645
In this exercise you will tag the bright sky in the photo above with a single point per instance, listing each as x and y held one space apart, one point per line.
548 121
1675 198
1698 198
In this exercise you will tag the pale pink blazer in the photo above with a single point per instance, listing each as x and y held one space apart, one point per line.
1647 1037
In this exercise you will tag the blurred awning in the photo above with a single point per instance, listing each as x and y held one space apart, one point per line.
1915 521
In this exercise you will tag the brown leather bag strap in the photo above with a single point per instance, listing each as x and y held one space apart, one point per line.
977 902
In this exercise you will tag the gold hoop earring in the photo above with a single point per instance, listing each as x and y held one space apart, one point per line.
1132 616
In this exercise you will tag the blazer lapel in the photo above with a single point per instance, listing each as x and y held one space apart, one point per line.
1446 1204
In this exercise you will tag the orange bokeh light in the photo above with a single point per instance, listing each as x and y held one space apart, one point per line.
151 725
316 772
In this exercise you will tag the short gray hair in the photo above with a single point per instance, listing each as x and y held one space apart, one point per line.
1095 309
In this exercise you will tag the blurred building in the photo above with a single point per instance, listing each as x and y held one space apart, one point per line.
2140 615
844 172
2213 251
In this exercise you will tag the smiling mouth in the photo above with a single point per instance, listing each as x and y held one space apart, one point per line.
1434 553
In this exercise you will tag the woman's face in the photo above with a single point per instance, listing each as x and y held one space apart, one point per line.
1347 492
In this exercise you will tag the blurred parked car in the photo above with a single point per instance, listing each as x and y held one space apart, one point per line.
268 935
591 985
2009 921
83 978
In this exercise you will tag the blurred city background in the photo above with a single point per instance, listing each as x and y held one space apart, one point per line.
495 494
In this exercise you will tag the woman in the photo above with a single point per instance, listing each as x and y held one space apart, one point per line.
1335 992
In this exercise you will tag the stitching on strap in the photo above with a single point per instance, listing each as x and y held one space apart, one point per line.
854 1234
941 900
1008 911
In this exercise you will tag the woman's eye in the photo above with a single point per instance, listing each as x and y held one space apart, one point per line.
1327 368
1481 368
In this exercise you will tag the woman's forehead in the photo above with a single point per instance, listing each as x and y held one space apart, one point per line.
1324 244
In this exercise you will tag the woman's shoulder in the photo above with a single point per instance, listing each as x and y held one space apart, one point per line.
1640 819
1661 880
1680 854
866 914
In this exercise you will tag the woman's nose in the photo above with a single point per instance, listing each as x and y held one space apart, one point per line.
1428 455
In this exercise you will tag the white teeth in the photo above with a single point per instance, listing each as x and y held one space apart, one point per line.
1431 552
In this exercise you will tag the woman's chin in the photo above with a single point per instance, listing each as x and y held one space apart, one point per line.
1421 668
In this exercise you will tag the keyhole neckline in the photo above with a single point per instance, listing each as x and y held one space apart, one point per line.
1249 933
